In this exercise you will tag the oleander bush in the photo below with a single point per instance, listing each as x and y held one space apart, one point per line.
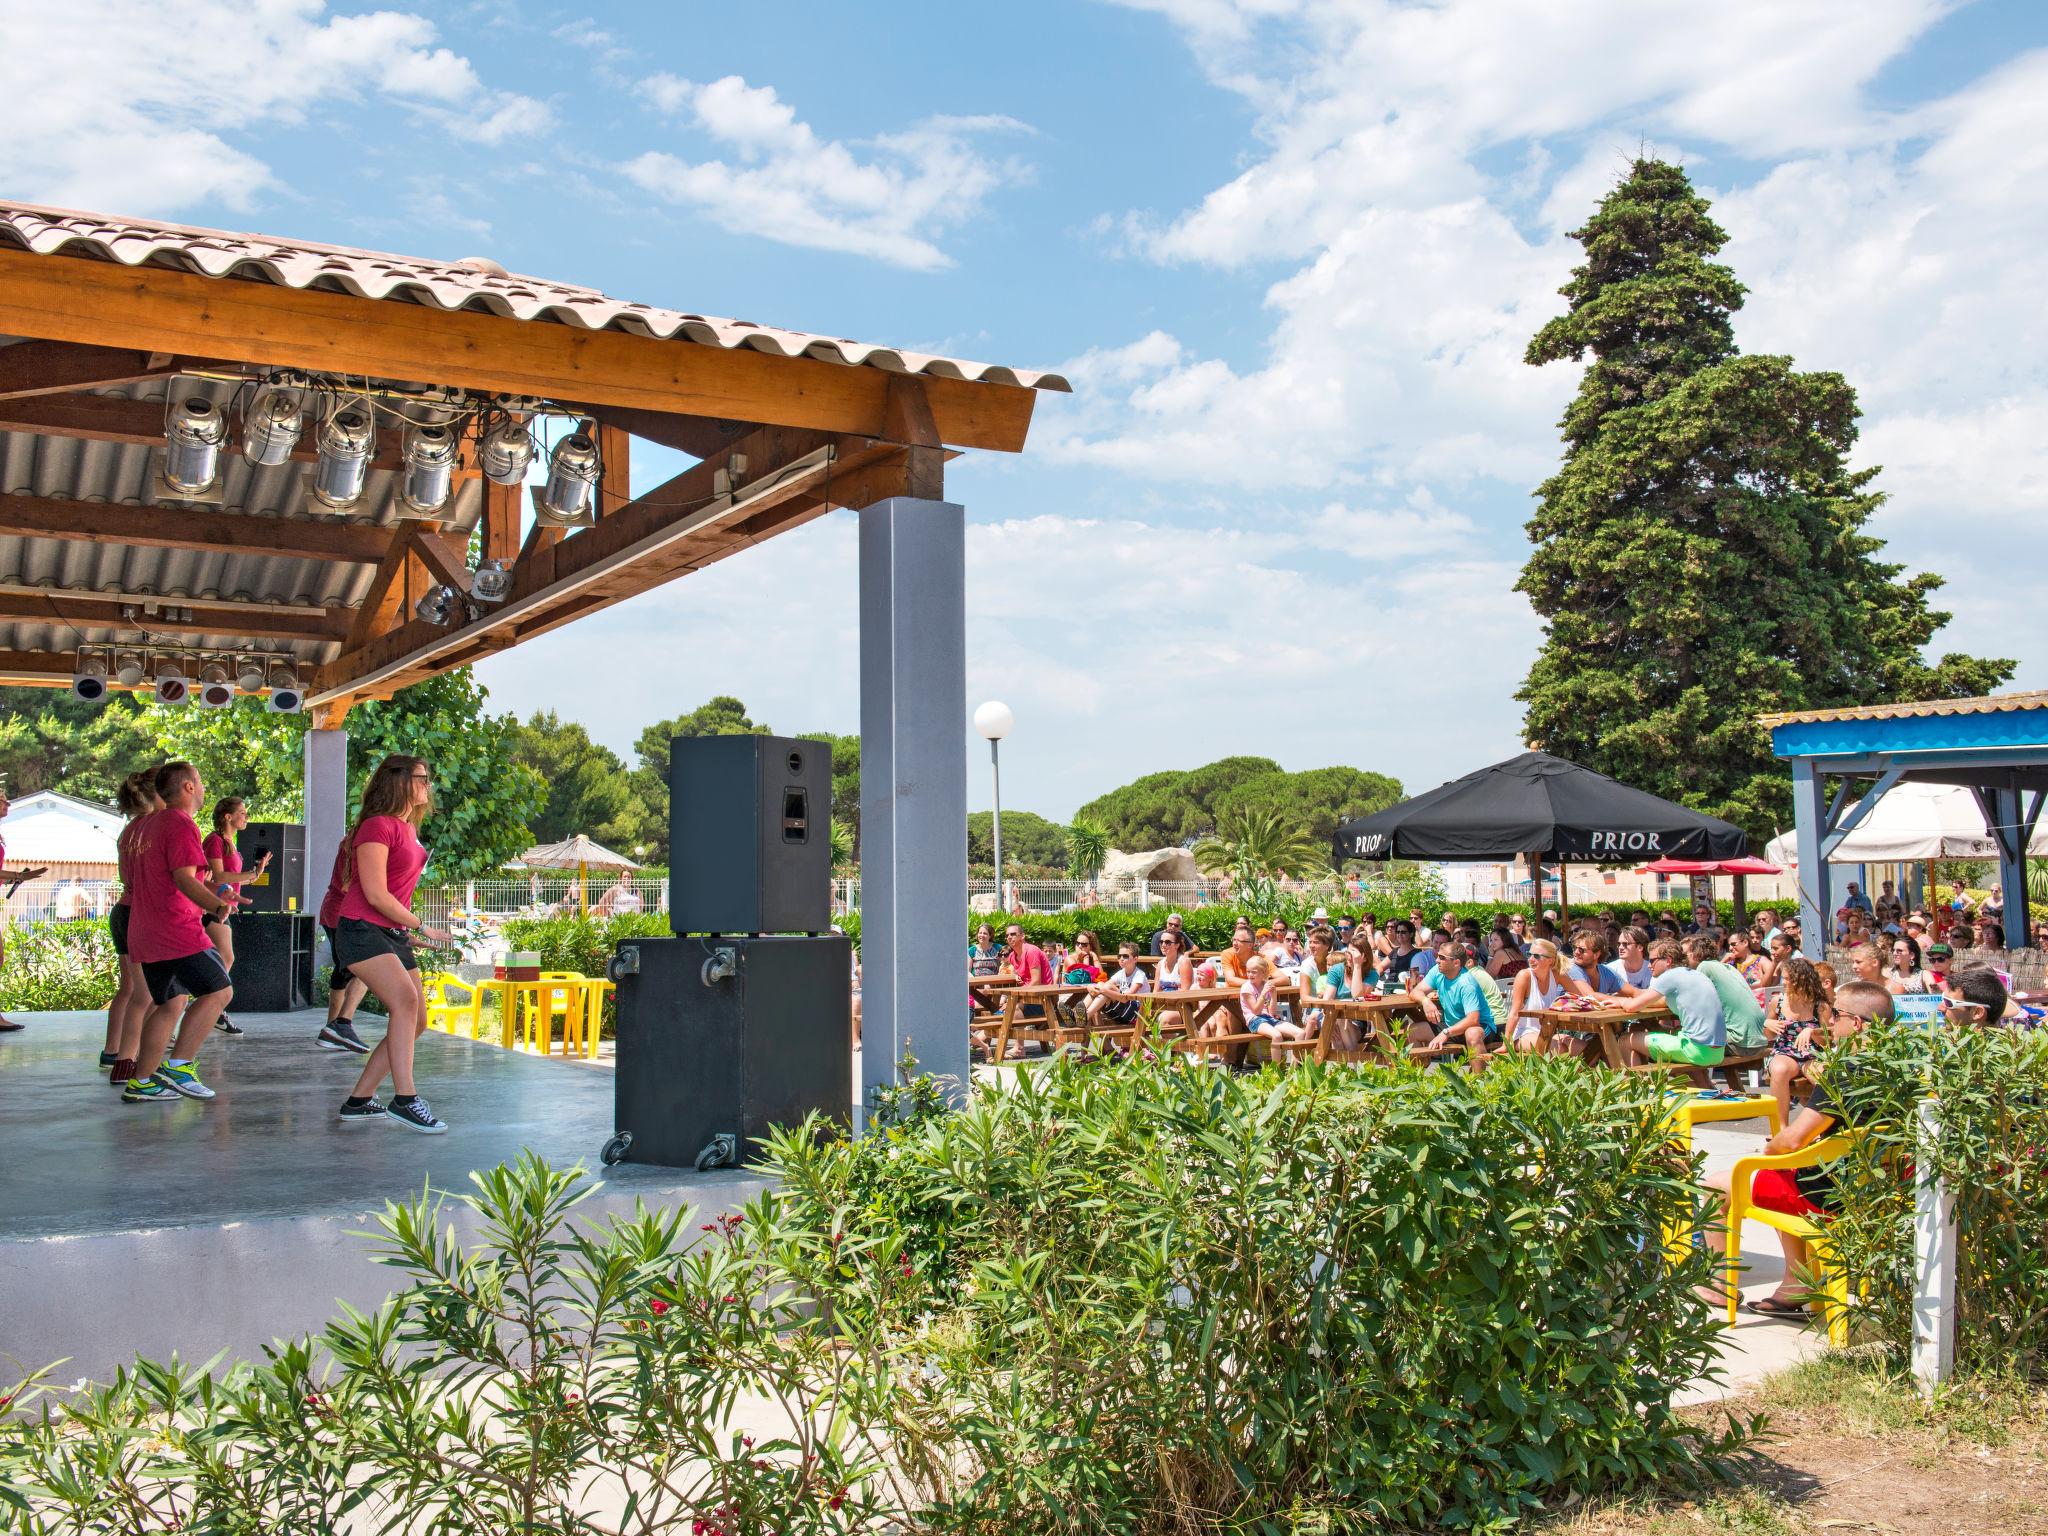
58 965
1125 1297
1991 1089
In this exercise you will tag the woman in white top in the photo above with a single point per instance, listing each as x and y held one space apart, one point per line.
1176 973
1904 973
1538 987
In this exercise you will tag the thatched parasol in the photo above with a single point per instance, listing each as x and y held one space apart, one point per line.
580 854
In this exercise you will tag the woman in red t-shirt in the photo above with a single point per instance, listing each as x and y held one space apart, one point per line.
224 873
136 799
373 936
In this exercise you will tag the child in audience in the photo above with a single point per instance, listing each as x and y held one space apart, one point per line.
1794 1031
1261 1009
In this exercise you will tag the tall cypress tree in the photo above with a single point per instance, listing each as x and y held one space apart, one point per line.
1699 555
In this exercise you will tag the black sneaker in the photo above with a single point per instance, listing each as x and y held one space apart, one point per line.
108 1059
341 1036
369 1109
416 1116
228 1026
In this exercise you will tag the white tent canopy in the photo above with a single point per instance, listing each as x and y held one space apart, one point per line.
1912 823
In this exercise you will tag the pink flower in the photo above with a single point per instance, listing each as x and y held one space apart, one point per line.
657 1306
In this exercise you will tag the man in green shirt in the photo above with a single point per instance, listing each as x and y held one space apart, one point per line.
1740 1010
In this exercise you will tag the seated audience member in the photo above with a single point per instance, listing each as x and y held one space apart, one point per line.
1782 950
1234 964
1796 1030
1028 965
1866 963
984 960
1084 964
1990 933
1258 996
1323 974
1507 960
1702 1036
1402 958
1858 1005
1417 927
1741 1014
1173 926
1742 956
1455 1006
1632 957
1115 997
1903 973
1496 1000
1537 988
1972 996
1545 927
1361 966
1518 925
1940 959
1790 1192
1176 973
1857 899
1587 976
1287 954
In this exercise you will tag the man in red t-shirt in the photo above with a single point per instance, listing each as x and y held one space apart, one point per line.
344 988
169 905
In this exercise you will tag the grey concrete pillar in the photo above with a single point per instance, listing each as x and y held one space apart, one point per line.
326 790
913 796
1810 819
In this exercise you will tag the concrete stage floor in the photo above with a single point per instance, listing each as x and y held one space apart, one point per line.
129 1228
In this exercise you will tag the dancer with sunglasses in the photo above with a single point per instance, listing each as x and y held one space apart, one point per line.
373 937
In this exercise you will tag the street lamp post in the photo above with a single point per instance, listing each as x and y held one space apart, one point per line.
994 720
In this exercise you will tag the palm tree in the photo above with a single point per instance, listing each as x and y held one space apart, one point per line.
1254 844
1087 848
842 844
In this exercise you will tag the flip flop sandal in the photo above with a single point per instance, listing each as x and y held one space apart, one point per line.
1771 1306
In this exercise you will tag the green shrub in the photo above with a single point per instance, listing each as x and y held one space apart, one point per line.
1164 1299
1134 1298
1992 1089
59 965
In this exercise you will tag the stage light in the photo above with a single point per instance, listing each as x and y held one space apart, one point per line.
249 674
272 426
285 697
490 582
213 690
89 676
192 439
171 686
505 453
439 606
429 454
572 482
128 668
345 443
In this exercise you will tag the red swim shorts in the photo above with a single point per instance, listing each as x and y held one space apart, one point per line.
1777 1189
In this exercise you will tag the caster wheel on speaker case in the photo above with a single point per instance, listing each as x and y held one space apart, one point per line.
615 1150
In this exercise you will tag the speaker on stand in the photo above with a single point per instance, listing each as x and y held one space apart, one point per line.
278 887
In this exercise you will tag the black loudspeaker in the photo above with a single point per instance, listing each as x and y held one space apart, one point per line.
273 960
284 882
749 835
719 1039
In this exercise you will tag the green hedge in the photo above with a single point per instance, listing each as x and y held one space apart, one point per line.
59 965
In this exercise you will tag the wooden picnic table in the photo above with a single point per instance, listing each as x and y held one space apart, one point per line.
1611 1024
1195 1005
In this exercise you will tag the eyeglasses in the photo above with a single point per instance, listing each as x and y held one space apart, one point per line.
1167 938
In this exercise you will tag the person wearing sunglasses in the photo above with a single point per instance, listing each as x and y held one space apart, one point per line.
1974 997
1176 973
1904 974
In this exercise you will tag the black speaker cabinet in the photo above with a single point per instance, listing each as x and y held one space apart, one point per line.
750 835
723 1038
274 960
285 881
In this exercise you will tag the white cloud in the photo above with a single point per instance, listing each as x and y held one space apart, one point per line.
787 183
145 109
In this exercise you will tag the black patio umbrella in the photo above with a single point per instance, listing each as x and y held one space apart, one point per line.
1542 806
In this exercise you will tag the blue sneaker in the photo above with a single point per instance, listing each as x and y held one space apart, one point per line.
182 1080
147 1090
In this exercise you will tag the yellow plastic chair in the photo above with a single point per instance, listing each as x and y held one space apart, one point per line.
1684 1112
595 991
1833 1281
451 1000
560 995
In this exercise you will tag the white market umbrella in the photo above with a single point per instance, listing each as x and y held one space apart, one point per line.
1912 824
580 854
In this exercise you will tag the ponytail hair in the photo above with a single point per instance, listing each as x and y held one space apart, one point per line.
223 809
136 792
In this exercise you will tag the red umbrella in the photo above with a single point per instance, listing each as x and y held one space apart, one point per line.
1742 866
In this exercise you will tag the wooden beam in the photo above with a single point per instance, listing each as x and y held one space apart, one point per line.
36 669
159 309
908 420
698 436
174 527
383 607
99 611
615 468
110 419
445 556
255 605
58 367
502 505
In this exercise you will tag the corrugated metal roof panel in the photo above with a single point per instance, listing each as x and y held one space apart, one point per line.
473 283
1990 704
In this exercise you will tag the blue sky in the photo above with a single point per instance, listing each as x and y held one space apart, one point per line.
1290 250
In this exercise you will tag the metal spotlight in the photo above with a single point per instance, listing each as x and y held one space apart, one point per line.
171 686
214 690
490 582
128 668
438 606
249 675
429 454
89 676
572 481
285 697
505 453
345 442
192 439
272 426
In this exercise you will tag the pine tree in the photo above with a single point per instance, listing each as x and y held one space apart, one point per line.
1700 556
